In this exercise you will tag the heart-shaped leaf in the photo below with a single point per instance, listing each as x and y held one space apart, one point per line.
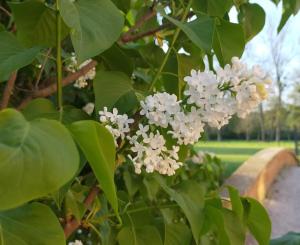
228 41
13 55
36 23
110 87
199 31
33 223
252 17
36 158
96 25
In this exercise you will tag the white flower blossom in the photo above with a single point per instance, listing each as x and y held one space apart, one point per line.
151 152
159 108
81 82
89 108
210 99
215 102
118 125
187 127
76 242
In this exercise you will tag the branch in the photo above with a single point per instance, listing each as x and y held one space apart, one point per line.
42 68
149 15
5 11
8 90
130 38
51 89
74 224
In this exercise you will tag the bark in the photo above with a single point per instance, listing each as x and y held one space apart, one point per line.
262 123
219 135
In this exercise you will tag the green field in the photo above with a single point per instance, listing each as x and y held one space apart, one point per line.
234 153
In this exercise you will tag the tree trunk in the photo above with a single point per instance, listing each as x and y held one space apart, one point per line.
296 140
278 111
219 135
262 123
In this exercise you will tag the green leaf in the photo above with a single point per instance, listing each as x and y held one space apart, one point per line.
2 27
117 60
213 7
235 229
252 17
258 221
290 7
175 233
36 158
185 64
189 195
109 87
44 108
123 5
236 203
33 223
72 207
291 238
98 146
199 31
145 235
13 55
132 182
230 229
96 25
229 41
36 23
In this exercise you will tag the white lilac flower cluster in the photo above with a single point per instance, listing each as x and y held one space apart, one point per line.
76 242
151 152
117 124
210 99
81 82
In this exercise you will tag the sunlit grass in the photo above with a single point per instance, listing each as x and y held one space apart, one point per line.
234 153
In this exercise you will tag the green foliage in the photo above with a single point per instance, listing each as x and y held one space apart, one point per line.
291 238
290 7
13 55
146 235
199 31
110 87
96 25
33 223
213 7
97 144
228 41
44 108
258 221
40 28
36 158
252 16
190 197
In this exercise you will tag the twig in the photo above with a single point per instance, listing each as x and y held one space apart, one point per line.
149 15
5 11
51 89
73 224
42 68
8 90
130 38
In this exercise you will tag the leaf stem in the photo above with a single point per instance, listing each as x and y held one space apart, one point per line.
58 61
176 34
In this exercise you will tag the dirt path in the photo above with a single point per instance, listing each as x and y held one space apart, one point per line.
283 202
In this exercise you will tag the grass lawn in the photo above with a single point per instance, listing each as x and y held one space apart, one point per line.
234 153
